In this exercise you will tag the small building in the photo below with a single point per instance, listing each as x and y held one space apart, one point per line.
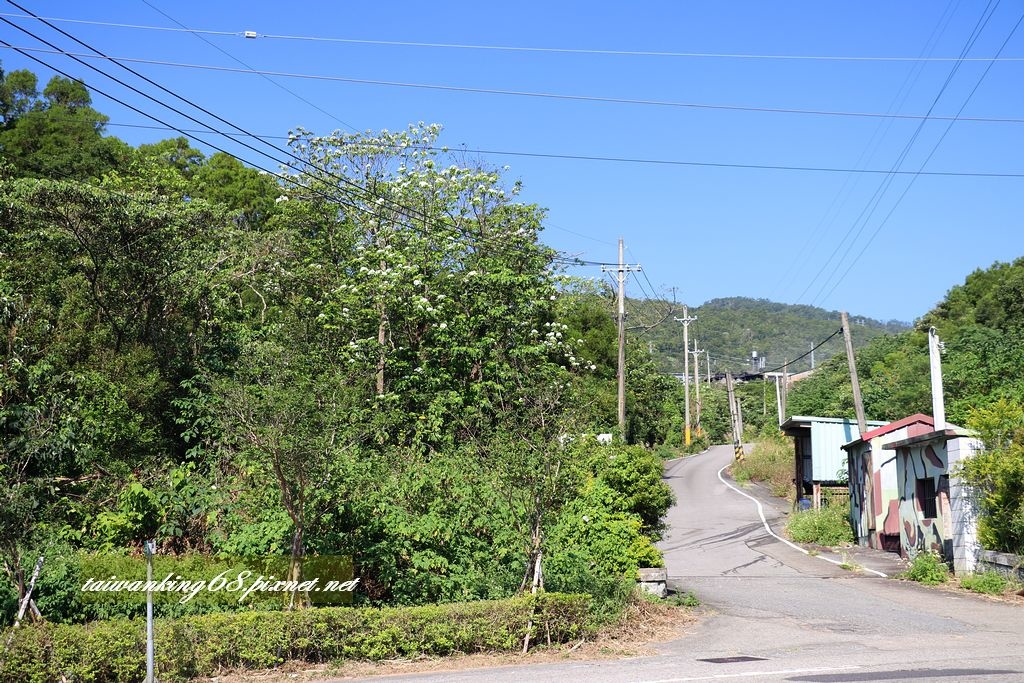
820 461
873 486
937 511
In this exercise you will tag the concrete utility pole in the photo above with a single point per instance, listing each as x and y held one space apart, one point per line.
858 402
686 320
812 355
696 379
785 388
934 356
622 269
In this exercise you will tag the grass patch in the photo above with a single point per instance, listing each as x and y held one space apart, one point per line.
927 568
828 526
989 583
770 462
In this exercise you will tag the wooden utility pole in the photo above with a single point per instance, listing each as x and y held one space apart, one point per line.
622 269
737 445
686 320
858 402
696 379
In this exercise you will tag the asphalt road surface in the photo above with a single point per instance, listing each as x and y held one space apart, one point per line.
776 614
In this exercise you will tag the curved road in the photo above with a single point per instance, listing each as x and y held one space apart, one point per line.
789 616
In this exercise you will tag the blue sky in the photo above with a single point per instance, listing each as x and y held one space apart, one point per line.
707 231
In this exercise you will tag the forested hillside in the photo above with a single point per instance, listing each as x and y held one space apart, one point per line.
731 329
373 356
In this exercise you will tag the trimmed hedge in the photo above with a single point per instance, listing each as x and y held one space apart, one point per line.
114 651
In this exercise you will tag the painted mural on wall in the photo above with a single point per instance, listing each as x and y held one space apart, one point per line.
882 532
923 475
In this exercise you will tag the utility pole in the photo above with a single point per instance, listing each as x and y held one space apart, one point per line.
737 445
696 379
686 320
622 269
707 358
935 360
785 388
858 402
812 355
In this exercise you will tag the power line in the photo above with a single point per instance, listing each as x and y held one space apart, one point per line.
516 48
200 140
239 61
342 179
873 202
798 358
923 164
630 160
871 148
540 95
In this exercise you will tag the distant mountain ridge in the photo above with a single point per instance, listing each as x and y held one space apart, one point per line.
731 329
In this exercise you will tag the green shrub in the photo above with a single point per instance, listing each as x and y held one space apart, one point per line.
928 568
114 651
990 583
771 462
829 526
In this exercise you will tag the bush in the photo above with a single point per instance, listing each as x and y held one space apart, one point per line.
990 583
114 651
828 526
928 568
771 462
997 473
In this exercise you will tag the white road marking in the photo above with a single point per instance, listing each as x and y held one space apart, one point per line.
760 512
779 672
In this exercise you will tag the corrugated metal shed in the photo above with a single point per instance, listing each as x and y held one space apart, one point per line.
828 436
827 454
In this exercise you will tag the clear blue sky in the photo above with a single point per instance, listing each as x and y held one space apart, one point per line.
707 231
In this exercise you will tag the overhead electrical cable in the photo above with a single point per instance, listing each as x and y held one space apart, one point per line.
798 358
873 202
113 98
541 95
511 48
285 88
629 160
935 147
850 182
356 187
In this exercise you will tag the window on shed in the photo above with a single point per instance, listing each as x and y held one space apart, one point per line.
926 497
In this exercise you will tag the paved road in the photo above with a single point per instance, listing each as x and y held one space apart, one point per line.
798 618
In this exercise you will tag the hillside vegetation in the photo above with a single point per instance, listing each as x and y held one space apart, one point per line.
731 328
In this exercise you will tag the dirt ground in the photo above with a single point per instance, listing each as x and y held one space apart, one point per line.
644 625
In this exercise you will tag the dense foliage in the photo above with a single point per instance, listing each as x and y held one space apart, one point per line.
114 651
376 358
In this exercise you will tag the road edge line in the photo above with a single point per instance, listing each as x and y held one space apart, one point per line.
767 527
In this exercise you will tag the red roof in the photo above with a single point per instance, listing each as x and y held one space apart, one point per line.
917 418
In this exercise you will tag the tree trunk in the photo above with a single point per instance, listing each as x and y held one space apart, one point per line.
295 566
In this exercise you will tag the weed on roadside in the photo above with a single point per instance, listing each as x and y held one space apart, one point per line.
927 568
828 526
989 583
